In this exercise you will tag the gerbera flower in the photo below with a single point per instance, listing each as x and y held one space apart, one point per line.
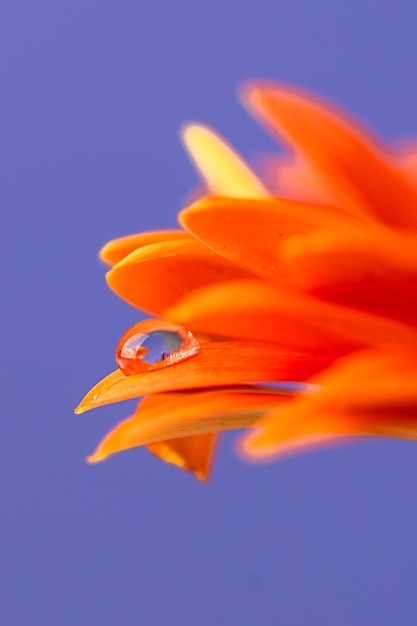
309 277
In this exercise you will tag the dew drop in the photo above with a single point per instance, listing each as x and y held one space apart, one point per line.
153 344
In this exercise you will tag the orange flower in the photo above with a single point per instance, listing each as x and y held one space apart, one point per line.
310 277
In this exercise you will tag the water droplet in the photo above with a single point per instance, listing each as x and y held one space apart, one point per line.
153 344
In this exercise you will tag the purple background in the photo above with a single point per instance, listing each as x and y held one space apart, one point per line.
92 95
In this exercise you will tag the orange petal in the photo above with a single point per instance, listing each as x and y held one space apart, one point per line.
405 160
118 249
218 364
162 417
294 440
365 394
347 157
256 310
282 434
251 232
298 180
156 276
225 173
358 269
194 453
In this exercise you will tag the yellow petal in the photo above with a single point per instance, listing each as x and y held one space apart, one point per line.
224 172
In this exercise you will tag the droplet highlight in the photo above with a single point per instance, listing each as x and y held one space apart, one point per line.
153 344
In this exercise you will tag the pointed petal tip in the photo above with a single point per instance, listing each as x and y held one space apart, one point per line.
200 140
81 408
221 167
251 91
193 130
104 254
246 90
256 89
196 461
202 475
91 399
203 478
94 458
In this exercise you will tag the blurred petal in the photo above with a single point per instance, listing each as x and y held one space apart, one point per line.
154 277
256 310
345 155
251 232
225 173
282 434
406 161
283 294
360 270
365 394
194 453
297 180
118 249
219 364
166 416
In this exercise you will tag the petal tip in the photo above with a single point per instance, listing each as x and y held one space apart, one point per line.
250 91
94 458
203 478
191 130
105 254
84 406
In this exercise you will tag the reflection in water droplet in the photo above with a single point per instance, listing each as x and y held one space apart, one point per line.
153 344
